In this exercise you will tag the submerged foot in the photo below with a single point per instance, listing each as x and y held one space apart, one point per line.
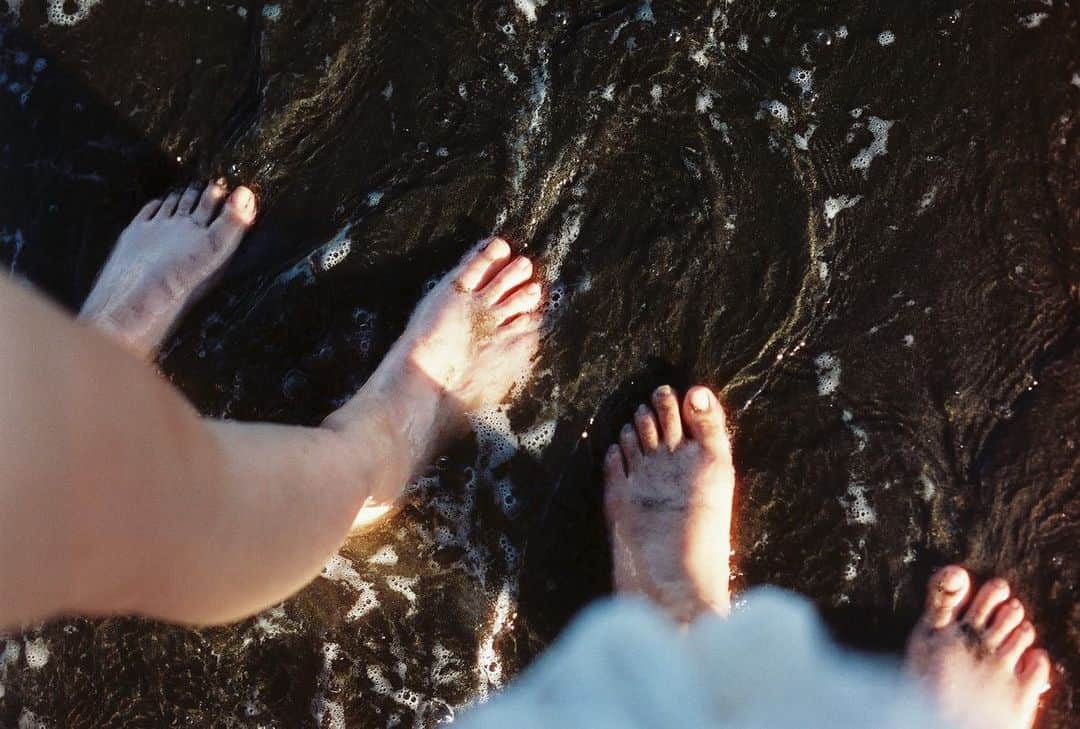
469 341
668 497
165 260
977 659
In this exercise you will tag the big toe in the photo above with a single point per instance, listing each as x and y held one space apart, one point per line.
948 592
704 418
234 221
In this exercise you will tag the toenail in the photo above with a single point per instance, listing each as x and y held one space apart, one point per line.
642 410
700 401
221 182
242 197
663 390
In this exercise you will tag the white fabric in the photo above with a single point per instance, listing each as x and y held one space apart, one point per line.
771 665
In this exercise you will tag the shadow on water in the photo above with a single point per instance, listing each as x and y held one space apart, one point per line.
681 216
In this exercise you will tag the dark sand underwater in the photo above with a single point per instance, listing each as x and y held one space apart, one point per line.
860 220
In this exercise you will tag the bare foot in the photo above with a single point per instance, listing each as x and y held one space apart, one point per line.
164 261
978 661
669 489
469 341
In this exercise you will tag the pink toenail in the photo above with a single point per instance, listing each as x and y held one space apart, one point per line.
700 401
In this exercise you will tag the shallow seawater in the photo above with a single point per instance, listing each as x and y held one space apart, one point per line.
861 223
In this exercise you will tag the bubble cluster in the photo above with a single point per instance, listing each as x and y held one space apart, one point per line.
777 110
37 653
339 569
834 205
828 373
59 15
886 38
386 556
334 252
804 79
857 508
878 147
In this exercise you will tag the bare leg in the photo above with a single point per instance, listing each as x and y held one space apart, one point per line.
975 654
669 489
117 498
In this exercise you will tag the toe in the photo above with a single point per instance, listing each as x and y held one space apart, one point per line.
614 470
480 265
1005 619
1018 641
948 592
236 218
1034 672
209 202
168 208
667 411
705 419
647 429
525 299
522 324
513 274
631 449
986 601
188 199
149 210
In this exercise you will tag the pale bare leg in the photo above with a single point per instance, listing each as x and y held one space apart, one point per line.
975 654
117 498
165 260
669 489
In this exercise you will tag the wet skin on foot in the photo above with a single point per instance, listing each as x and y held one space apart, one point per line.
669 485
975 654
165 260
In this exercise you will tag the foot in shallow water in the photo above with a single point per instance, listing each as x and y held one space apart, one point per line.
468 343
977 659
165 260
668 498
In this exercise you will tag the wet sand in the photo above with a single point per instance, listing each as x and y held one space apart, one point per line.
862 224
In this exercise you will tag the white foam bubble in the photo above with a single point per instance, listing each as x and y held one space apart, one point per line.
909 340
643 14
336 250
528 8
37 653
804 79
488 663
777 109
374 198
1033 20
29 720
878 147
743 43
928 487
856 430
834 205
802 141
828 373
388 91
270 622
339 569
80 9
886 38
403 586
927 199
1075 80
841 32
272 12
385 556
657 93
857 507
608 94
328 714
15 7
704 102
